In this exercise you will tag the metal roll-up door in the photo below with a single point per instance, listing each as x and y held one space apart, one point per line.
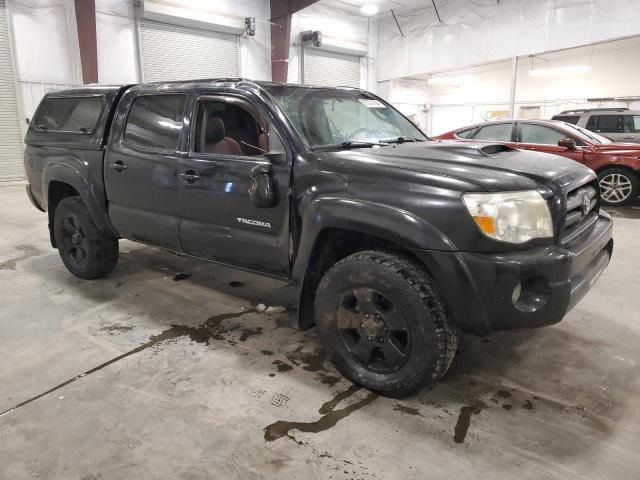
330 69
172 52
11 152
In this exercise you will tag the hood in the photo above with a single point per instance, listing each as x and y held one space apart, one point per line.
632 149
479 167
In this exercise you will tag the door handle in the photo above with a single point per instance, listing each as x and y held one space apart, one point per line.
189 176
629 138
118 166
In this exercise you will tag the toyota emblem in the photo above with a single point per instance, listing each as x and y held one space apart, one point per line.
586 203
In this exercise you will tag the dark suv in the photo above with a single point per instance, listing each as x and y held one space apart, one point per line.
395 243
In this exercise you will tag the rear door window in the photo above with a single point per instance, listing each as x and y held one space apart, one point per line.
155 121
531 133
465 133
499 133
69 114
567 118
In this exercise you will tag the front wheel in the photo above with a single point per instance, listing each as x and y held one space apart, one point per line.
85 251
618 186
383 323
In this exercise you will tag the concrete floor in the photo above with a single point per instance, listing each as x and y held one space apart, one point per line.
139 376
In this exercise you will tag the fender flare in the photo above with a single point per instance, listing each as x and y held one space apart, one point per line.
65 173
383 221
380 220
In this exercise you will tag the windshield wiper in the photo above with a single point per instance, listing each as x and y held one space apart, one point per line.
402 139
349 144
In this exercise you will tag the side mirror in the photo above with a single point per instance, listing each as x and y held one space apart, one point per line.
262 189
568 143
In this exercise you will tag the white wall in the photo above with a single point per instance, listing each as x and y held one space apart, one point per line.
487 88
118 60
45 49
116 37
338 28
482 31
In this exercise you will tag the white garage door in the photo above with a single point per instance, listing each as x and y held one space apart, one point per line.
171 52
329 69
11 163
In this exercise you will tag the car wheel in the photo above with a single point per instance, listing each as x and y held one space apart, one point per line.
85 251
384 324
618 186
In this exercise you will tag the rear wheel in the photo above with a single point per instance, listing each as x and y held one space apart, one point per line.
618 186
85 251
383 323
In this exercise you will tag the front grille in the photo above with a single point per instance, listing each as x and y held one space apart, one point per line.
579 217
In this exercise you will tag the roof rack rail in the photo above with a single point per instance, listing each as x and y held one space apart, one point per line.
585 110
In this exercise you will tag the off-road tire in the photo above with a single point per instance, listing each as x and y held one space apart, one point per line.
100 250
434 339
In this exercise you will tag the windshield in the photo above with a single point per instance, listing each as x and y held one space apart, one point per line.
331 117
588 135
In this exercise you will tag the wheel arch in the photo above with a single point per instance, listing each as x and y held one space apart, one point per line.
60 181
336 228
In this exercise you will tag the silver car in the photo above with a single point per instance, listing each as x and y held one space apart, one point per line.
619 124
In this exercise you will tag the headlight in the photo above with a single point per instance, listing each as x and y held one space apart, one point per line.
513 217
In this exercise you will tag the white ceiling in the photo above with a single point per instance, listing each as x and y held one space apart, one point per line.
353 6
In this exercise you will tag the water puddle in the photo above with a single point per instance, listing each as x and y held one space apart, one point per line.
407 410
328 420
464 420
28 251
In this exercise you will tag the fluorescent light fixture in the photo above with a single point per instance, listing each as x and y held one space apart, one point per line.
457 81
369 9
558 71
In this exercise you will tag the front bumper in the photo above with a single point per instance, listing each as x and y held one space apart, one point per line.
479 287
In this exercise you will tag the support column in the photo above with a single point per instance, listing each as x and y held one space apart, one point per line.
86 24
514 78
281 12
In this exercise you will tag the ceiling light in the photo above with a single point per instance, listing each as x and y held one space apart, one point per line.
369 9
552 72
457 81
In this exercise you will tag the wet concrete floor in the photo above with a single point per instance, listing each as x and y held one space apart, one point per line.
140 376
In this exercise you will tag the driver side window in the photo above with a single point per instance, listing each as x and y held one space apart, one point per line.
227 128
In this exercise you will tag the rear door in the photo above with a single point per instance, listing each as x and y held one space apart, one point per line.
541 138
234 144
140 167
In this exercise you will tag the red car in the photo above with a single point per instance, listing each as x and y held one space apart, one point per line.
617 164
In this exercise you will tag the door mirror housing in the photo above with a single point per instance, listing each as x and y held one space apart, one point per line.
262 189
568 143
276 158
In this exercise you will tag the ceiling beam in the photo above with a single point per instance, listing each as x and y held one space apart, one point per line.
281 12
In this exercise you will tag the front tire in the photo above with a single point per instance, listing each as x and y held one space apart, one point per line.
618 186
85 251
383 323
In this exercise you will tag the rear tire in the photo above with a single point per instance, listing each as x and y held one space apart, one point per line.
618 186
383 323
85 251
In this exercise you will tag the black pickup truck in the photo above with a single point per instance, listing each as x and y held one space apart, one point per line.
395 242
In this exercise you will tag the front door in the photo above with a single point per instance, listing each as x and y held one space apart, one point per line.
631 128
234 149
140 168
540 138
